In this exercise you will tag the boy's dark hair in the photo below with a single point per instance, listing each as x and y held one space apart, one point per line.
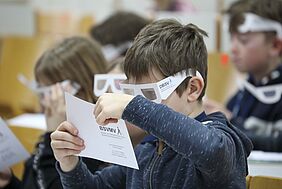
119 28
270 9
169 47
236 14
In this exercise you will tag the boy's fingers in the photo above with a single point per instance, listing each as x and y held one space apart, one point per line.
66 145
101 119
97 110
111 120
64 136
62 153
98 107
67 126
68 152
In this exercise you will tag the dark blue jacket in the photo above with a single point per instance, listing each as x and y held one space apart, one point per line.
261 122
209 153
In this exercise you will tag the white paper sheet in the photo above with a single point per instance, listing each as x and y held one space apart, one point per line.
110 143
11 150
36 121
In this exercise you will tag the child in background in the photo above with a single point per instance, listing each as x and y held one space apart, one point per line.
256 43
76 59
166 64
117 33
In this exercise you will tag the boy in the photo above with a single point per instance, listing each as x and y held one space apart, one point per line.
256 43
191 149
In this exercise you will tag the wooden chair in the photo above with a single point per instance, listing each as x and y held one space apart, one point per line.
18 55
221 77
265 182
248 179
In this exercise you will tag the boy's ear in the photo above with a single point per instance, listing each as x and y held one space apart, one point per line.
276 47
194 89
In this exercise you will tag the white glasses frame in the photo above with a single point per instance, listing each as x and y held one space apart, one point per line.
34 86
255 23
109 82
164 88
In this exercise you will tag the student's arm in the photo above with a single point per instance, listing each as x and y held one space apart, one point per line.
112 177
262 140
207 146
211 148
270 143
43 171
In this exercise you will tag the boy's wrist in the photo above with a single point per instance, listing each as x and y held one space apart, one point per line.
70 164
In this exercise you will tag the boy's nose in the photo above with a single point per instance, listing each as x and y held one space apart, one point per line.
234 45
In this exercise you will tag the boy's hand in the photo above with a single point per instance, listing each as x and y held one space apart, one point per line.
65 144
211 106
5 177
109 107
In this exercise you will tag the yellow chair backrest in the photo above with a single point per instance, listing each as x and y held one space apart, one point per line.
248 179
221 77
265 182
18 55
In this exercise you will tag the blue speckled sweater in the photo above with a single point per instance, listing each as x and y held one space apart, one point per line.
208 154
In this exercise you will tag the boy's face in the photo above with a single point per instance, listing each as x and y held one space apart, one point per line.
250 52
178 104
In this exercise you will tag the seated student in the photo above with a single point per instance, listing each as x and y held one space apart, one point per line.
76 59
167 64
117 33
256 43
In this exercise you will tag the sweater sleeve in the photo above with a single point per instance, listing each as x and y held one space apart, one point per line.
112 177
206 145
41 168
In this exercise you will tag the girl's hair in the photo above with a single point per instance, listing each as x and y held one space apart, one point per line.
76 59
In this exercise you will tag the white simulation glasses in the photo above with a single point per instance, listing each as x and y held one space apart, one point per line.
104 82
255 23
67 85
161 90
265 94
